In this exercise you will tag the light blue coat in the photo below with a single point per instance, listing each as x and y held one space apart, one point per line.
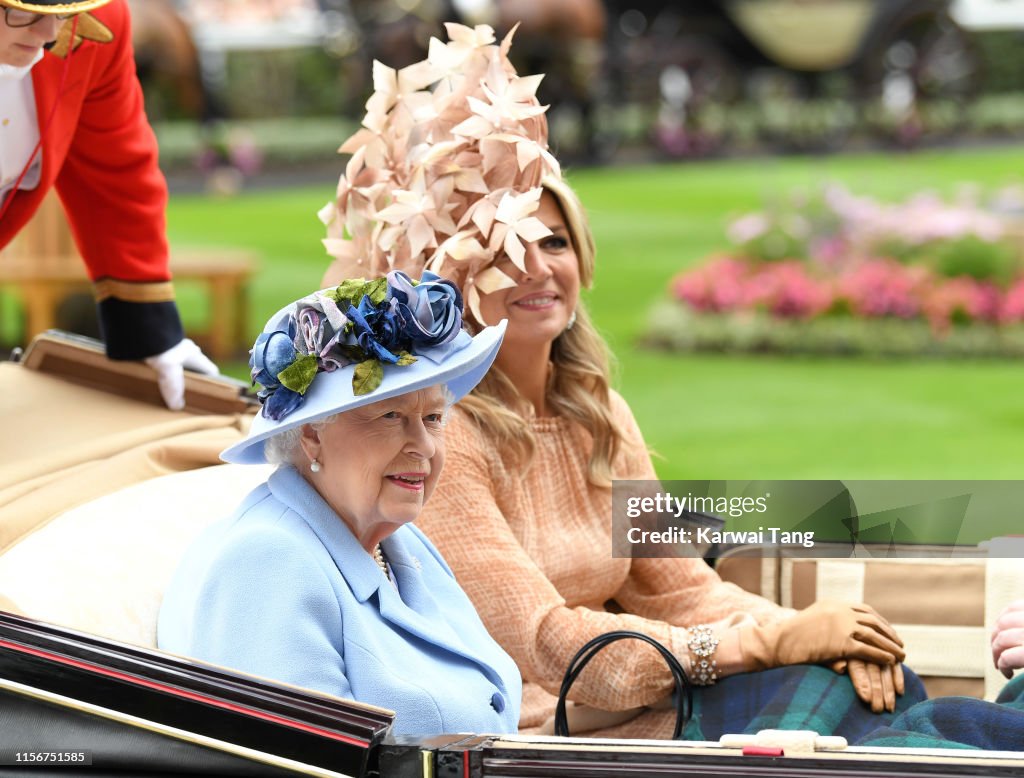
283 590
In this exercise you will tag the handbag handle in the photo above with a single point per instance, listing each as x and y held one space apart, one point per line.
683 687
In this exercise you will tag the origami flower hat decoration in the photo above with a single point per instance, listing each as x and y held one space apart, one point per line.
446 170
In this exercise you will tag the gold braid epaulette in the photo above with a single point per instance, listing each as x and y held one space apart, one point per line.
89 28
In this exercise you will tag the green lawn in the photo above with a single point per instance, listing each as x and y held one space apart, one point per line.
706 416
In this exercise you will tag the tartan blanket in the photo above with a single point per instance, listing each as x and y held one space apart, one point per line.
959 722
794 697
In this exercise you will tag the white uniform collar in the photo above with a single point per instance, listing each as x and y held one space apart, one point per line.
11 73
19 129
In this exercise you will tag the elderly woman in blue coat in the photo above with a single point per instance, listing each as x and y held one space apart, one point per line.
319 579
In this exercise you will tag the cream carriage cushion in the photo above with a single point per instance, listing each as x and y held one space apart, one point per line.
102 567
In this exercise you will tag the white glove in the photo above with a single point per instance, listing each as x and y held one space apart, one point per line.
170 368
1008 639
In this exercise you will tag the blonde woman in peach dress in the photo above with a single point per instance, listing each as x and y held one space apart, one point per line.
451 173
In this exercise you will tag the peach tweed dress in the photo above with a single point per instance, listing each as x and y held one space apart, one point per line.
533 551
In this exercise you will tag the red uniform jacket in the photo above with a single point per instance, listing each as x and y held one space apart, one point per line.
101 154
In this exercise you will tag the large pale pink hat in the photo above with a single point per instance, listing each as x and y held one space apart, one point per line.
446 170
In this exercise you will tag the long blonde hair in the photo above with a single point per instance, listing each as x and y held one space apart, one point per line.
578 386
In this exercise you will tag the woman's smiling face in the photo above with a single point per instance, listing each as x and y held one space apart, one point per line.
380 462
541 304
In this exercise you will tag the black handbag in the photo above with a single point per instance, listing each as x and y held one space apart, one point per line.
683 695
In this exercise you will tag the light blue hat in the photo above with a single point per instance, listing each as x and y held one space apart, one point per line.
356 344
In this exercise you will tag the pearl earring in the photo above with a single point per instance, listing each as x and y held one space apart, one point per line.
314 466
571 322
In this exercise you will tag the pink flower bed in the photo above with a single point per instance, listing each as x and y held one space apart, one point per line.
838 254
873 288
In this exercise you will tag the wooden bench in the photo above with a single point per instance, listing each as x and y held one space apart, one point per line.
43 267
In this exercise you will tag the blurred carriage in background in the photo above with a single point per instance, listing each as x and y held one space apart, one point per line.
798 74
691 76
807 69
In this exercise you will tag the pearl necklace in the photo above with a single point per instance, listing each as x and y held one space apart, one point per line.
378 557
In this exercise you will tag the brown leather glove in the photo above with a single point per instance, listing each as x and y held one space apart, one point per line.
877 685
822 632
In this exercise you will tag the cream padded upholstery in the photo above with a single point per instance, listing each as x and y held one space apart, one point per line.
102 567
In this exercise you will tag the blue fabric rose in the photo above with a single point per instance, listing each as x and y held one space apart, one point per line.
279 402
429 313
376 330
272 353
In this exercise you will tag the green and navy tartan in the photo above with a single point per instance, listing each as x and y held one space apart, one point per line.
794 697
959 722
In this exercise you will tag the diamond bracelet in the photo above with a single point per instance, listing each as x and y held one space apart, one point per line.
703 644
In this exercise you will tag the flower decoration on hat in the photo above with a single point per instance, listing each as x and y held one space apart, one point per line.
446 170
387 321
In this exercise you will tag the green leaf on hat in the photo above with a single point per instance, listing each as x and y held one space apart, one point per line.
299 374
377 290
405 358
348 292
367 377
